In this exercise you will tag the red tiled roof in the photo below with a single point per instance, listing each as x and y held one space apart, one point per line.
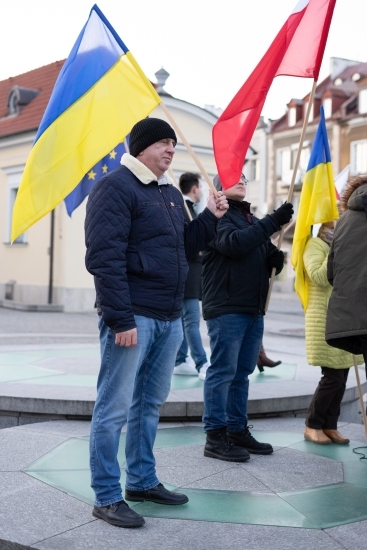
29 118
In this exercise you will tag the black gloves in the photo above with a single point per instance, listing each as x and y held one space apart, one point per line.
283 214
276 259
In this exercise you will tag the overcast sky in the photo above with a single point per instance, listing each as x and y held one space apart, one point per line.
209 48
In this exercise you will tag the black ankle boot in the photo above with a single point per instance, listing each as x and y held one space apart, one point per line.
245 440
218 446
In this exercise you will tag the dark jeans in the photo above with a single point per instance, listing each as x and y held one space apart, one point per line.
235 341
324 409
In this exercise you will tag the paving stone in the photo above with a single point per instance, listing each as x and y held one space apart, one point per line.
39 512
186 535
290 470
233 478
8 421
68 428
351 536
17 452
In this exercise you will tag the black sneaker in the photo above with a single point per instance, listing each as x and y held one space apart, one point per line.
245 440
118 514
218 446
158 494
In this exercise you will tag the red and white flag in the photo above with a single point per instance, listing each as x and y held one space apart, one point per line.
296 51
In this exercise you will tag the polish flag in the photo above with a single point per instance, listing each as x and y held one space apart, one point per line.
296 51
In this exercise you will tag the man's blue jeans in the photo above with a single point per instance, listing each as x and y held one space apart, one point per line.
132 384
192 337
235 341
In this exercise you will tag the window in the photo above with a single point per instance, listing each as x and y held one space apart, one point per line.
304 159
305 112
283 162
14 177
358 157
327 104
254 170
362 101
292 116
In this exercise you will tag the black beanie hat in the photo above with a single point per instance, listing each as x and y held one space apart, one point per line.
148 131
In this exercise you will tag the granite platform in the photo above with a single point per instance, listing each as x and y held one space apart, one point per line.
302 496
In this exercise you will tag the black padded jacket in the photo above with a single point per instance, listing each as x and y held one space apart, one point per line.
137 242
236 271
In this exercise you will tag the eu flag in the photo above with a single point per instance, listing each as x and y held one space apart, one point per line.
84 187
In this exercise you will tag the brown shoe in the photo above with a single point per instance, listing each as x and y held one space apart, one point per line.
316 436
264 361
336 437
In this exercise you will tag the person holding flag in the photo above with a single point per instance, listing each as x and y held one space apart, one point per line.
309 259
236 268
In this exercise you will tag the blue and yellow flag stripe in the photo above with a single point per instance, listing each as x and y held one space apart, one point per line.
317 204
99 95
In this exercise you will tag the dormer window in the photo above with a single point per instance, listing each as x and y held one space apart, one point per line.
292 116
338 82
362 101
310 118
19 97
356 77
327 104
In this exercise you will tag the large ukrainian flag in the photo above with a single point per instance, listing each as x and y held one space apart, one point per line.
317 203
100 94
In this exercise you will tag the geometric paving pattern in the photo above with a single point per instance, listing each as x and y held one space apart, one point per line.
300 485
79 367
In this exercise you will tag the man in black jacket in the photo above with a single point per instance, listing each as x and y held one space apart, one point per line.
236 270
137 242
191 190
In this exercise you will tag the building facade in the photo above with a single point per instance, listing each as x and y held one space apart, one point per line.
343 94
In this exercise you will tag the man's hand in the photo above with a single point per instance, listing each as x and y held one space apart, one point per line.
129 338
218 206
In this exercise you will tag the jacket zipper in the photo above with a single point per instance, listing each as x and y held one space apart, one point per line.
177 254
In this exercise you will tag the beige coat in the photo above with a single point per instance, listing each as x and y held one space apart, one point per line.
319 290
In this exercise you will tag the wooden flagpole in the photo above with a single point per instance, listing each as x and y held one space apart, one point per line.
291 187
189 148
171 175
363 409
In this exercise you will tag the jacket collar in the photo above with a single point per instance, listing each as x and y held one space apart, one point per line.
141 171
240 205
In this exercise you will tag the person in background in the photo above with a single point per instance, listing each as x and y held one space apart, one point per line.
237 266
324 410
346 323
191 189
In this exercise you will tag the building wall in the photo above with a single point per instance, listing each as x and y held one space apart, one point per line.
29 264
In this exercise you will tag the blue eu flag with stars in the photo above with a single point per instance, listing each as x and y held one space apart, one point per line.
84 187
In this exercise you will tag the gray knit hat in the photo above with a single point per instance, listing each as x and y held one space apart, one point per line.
149 131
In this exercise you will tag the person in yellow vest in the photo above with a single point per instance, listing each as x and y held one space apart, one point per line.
324 410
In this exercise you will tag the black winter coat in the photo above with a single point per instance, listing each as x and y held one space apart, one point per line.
137 242
193 281
235 271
